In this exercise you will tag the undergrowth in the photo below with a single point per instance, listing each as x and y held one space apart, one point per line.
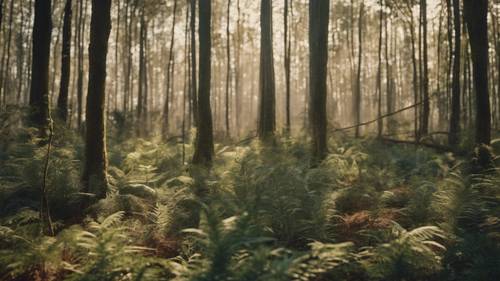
370 211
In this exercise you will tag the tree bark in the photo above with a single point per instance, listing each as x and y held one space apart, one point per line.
39 93
194 87
204 149
267 120
95 175
170 76
424 130
287 52
476 17
62 101
319 11
453 137
357 96
228 67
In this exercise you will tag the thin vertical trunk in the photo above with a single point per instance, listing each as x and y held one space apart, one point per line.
453 137
81 33
476 17
287 50
20 55
204 148
117 51
267 120
357 97
237 72
425 72
319 11
95 175
415 77
380 123
170 76
62 101
141 102
194 88
39 93
228 67
6 73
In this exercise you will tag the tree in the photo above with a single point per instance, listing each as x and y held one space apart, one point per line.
476 17
267 119
318 60
287 52
424 125
228 66
62 101
453 137
194 86
169 75
95 175
39 93
357 93
204 149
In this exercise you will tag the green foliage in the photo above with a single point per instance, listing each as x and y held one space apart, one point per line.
261 213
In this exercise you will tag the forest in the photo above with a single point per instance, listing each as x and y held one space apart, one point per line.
245 140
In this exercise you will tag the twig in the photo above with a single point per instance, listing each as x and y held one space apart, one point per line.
44 202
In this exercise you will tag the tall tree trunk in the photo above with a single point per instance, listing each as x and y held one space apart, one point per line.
170 76
20 55
380 123
39 93
319 11
95 175
62 101
6 73
425 73
194 87
287 51
476 17
237 72
141 101
415 78
204 148
453 137
357 97
267 120
117 51
228 67
81 31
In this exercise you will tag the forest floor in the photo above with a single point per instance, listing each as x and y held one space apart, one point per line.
370 211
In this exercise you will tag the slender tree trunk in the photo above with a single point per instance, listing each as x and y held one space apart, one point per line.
141 102
62 101
228 67
194 88
237 72
6 73
357 97
415 78
117 51
380 123
39 93
425 72
95 175
81 32
20 55
453 137
319 11
170 76
287 50
267 120
476 17
204 148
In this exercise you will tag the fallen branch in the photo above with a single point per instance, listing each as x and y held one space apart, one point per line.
435 146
